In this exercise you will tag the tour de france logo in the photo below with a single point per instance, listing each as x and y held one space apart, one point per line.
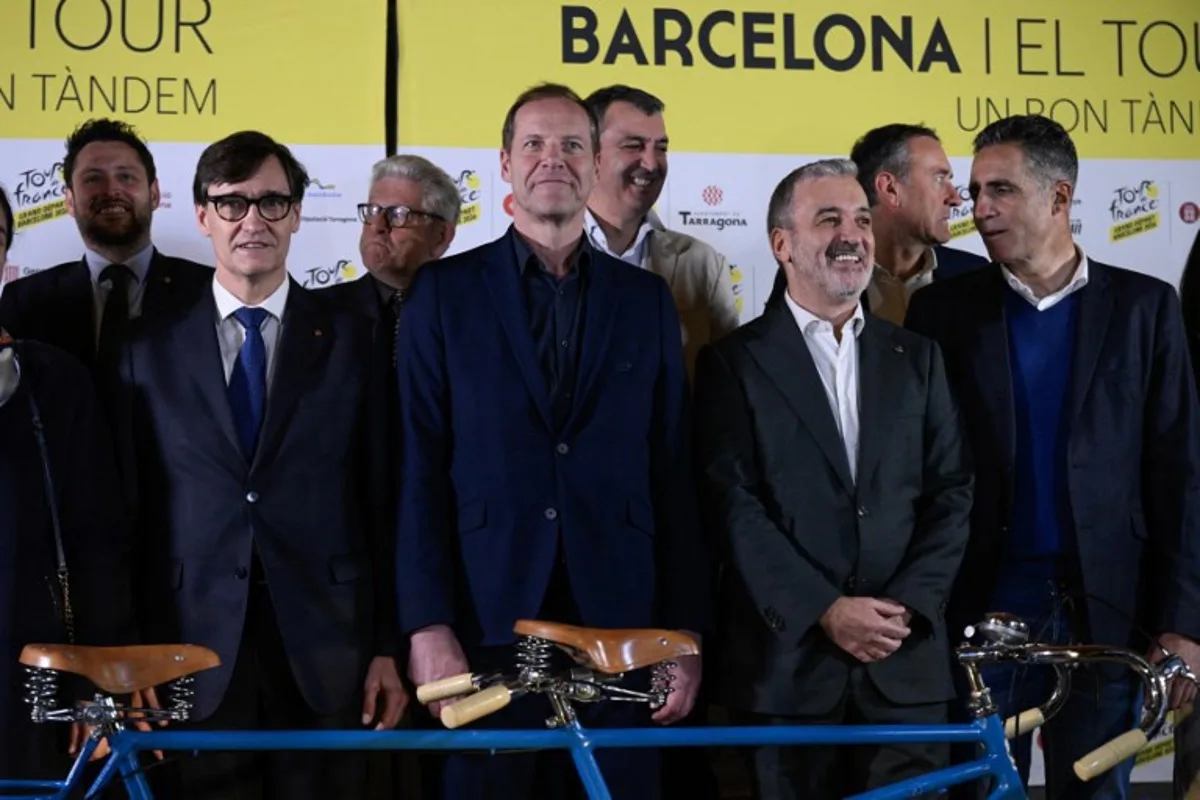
1134 210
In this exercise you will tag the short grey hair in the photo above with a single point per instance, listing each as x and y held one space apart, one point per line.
1047 146
439 192
779 211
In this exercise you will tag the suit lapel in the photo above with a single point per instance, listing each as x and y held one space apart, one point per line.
82 311
500 273
880 365
990 361
784 357
305 338
1095 308
660 259
196 350
601 306
162 287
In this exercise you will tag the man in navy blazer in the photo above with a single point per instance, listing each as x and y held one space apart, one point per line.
111 191
254 421
1076 389
546 459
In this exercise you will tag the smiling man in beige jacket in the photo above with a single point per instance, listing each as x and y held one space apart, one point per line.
620 218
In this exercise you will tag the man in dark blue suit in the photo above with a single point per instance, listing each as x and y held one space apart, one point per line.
85 307
546 461
1076 389
910 187
254 425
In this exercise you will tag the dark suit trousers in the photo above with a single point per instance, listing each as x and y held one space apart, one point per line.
820 772
631 774
262 695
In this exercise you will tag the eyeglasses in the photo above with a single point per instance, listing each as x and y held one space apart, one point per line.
235 207
396 216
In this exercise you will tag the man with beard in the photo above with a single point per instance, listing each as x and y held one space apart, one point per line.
910 185
621 222
833 471
84 307
546 461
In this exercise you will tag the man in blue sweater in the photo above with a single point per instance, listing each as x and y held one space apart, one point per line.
1076 390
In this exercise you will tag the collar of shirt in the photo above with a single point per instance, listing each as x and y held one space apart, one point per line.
922 277
580 257
1077 282
139 264
636 253
227 303
809 322
385 291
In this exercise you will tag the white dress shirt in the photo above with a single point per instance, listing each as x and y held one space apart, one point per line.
139 265
837 364
231 334
636 254
1077 282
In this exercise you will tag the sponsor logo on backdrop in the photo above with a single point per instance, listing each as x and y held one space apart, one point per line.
1134 210
1076 221
962 219
164 200
318 190
342 271
10 273
508 204
37 196
1189 212
470 188
739 289
713 197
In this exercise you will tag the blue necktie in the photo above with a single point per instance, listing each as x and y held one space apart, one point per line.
248 383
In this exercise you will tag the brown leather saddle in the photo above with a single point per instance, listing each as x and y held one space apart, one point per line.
612 651
122 670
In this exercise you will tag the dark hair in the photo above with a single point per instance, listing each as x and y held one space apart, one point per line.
599 100
546 91
1189 299
238 156
106 130
885 149
1047 146
6 210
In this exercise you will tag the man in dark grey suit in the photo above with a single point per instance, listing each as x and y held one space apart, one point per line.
831 458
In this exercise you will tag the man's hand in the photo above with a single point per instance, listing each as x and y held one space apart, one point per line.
1182 690
688 674
435 654
81 731
868 628
383 677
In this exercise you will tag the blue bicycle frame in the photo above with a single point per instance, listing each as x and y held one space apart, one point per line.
994 763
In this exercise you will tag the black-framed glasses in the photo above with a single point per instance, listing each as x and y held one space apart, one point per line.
396 216
235 207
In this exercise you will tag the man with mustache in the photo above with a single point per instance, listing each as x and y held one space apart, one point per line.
543 407
621 222
253 419
910 185
85 307
1081 410
834 476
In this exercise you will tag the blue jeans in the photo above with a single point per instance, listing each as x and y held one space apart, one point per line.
1097 708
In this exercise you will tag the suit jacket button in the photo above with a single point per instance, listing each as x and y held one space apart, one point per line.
862 511
550 514
563 449
240 573
251 497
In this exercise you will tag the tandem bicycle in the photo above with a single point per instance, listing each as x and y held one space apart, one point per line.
598 661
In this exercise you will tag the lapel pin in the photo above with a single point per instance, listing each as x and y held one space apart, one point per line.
899 348
318 332
167 279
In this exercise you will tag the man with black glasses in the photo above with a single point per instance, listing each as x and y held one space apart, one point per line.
252 419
